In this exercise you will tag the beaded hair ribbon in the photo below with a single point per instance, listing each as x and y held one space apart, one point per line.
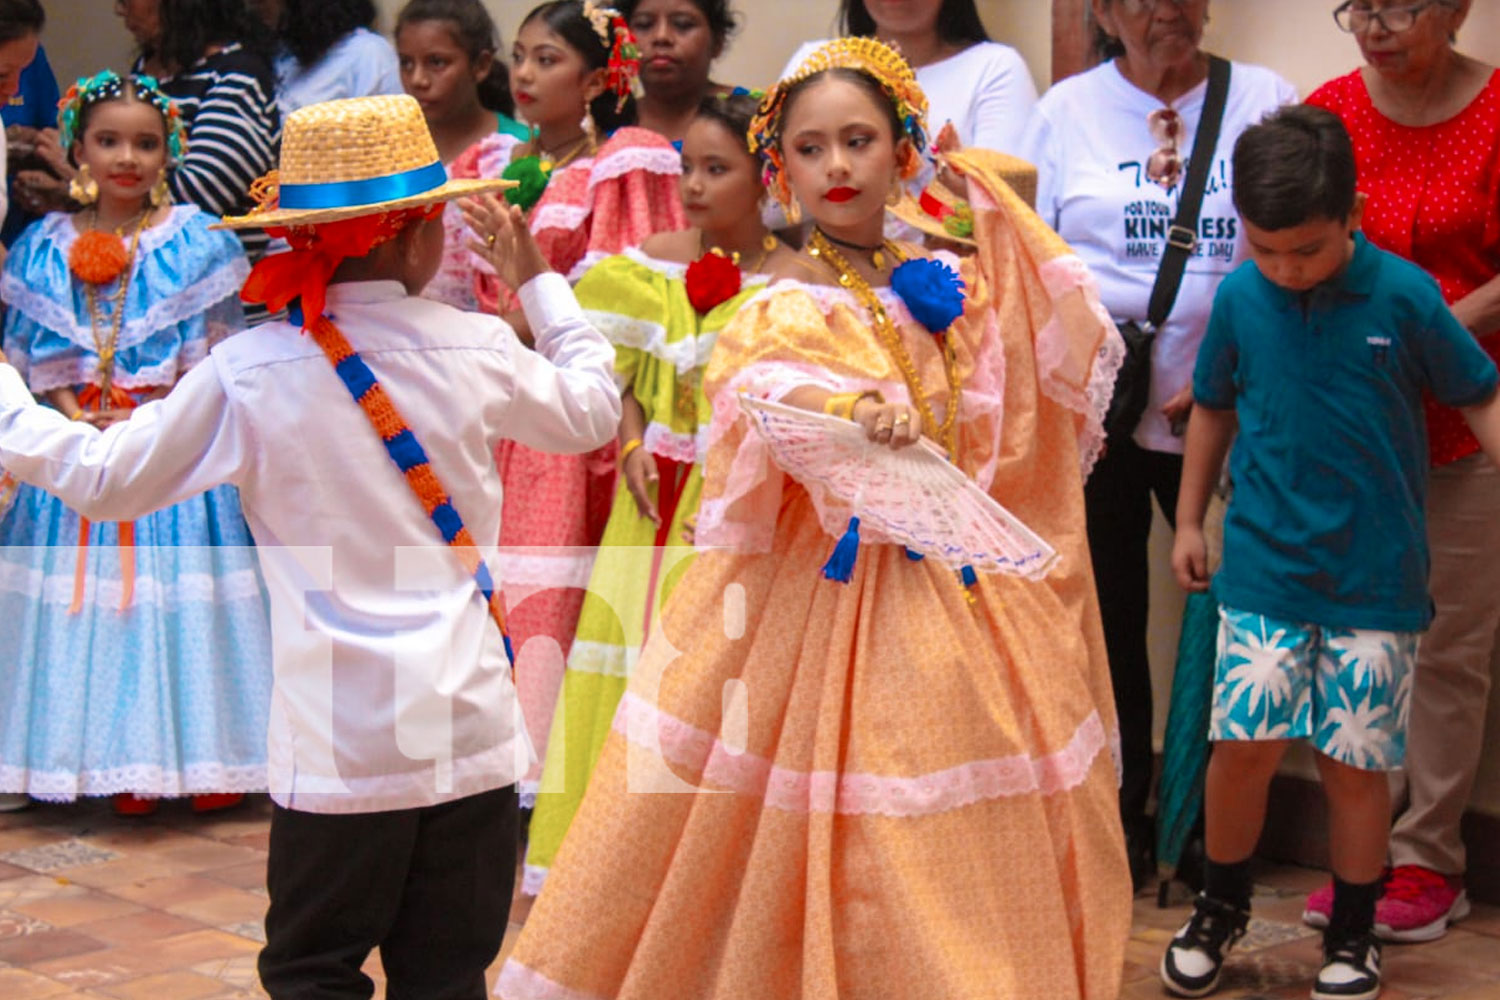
107 85
875 59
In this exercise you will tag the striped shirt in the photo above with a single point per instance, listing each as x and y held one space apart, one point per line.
228 102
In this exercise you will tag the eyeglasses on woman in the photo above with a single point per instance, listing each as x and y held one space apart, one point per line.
1356 16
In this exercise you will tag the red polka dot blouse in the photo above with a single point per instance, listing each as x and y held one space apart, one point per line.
1434 198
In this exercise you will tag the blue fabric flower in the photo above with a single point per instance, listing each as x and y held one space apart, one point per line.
933 292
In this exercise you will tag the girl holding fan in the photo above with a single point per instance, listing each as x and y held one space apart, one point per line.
829 770
137 655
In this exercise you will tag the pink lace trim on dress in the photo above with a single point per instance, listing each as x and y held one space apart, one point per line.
517 982
854 793
660 439
1056 362
631 149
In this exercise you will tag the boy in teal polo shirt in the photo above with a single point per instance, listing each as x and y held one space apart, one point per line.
1318 353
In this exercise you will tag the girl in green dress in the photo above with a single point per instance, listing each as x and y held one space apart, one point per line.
661 306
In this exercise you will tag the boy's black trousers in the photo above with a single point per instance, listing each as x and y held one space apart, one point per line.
429 887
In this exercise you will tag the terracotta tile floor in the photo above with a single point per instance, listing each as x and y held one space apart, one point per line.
169 908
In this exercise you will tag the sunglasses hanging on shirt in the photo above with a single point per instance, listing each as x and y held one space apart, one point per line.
1165 165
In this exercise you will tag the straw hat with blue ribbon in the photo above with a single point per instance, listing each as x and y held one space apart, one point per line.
360 156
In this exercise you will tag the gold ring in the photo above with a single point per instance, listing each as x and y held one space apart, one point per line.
489 240
903 419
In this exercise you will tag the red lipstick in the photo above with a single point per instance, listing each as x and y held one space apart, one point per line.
841 194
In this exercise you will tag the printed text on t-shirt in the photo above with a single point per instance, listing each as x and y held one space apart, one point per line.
1148 221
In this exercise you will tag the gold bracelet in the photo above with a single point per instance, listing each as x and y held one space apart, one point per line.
842 405
839 403
867 394
78 414
628 447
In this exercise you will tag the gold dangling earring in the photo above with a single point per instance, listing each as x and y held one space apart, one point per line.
161 194
589 129
83 188
794 212
893 198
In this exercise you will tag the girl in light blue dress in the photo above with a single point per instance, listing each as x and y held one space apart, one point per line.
134 658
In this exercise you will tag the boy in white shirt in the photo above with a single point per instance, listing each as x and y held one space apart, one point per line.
360 436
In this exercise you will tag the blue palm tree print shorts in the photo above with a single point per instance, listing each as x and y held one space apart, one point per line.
1347 691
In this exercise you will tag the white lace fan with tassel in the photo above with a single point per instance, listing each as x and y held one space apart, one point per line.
913 497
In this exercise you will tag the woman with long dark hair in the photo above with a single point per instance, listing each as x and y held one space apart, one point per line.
213 58
982 87
328 51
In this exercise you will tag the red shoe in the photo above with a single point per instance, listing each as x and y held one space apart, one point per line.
215 802
1419 904
133 805
1319 907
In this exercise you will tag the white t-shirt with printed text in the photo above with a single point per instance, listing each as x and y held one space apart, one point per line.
1089 140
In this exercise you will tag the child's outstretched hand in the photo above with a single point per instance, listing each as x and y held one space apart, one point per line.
1190 559
503 239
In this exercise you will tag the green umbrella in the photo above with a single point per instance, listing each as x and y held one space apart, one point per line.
1179 798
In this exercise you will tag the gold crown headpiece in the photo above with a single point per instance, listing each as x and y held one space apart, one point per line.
882 63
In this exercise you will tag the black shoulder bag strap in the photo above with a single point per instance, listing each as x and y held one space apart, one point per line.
1182 238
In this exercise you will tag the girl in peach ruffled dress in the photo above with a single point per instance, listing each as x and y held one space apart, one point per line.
869 774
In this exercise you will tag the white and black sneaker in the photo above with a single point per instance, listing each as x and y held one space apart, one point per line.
1191 966
1351 968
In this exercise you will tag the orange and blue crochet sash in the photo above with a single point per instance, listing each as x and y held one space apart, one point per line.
402 446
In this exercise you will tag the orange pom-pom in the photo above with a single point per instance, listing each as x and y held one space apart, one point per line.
98 258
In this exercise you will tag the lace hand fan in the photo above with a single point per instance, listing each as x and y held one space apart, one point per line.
914 497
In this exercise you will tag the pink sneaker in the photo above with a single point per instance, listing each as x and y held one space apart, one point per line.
1319 906
1419 904
1318 909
